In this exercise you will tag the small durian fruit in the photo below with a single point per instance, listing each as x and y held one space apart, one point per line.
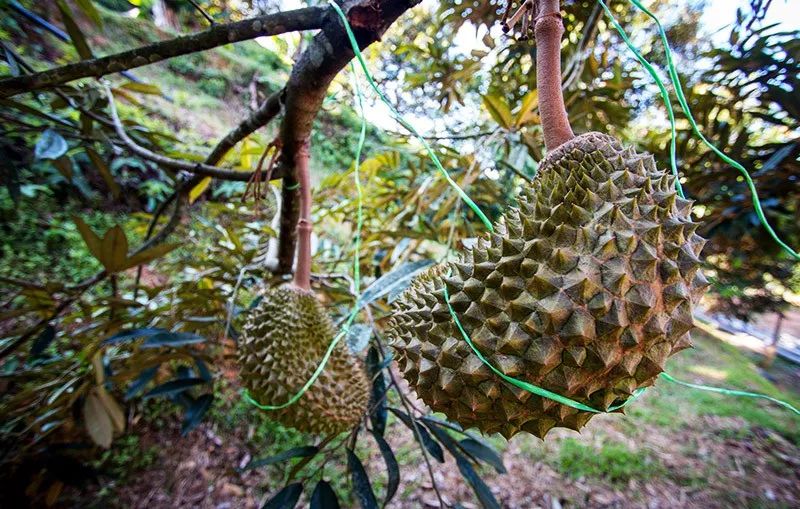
281 345
584 290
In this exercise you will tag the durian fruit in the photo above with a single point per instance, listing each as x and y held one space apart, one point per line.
584 290
281 345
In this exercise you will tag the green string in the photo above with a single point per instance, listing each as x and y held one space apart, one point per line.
673 159
676 83
402 121
526 386
729 392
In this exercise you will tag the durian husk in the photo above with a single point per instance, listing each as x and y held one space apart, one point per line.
281 345
585 290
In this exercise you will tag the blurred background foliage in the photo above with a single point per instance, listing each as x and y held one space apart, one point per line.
446 66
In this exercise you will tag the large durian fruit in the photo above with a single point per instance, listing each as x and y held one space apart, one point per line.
584 290
281 345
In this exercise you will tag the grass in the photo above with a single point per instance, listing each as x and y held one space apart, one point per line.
612 462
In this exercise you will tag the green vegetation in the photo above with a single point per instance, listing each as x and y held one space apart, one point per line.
106 375
612 462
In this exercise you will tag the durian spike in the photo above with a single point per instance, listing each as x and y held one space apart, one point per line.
548 31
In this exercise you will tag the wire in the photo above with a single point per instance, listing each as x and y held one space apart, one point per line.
676 83
403 122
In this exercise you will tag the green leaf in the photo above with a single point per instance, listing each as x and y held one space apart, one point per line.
378 412
400 277
50 145
296 452
499 110
199 189
172 339
195 413
173 387
78 39
90 11
114 249
484 453
361 484
141 382
526 112
480 488
44 339
430 444
324 497
98 423
102 168
133 334
392 468
142 88
149 255
286 498
358 337
482 491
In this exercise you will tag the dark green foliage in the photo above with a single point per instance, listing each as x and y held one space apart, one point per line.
324 497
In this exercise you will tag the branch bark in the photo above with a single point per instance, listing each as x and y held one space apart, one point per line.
202 169
218 35
328 53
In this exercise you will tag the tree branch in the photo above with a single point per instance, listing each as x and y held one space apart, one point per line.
327 54
220 34
202 169
268 110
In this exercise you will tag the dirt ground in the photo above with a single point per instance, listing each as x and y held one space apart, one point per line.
711 462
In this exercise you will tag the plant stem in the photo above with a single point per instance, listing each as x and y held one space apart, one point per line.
302 273
548 32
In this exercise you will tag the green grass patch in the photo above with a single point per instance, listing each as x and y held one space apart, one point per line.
613 462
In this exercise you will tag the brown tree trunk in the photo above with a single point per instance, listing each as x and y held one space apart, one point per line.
771 350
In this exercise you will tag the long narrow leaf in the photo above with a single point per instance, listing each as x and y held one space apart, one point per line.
173 387
361 484
324 497
295 452
286 498
392 468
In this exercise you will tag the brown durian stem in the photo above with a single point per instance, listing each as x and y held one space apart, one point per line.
548 32
302 273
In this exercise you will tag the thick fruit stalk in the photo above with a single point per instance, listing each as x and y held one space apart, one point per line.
548 31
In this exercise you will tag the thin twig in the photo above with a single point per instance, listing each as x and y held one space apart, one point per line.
203 12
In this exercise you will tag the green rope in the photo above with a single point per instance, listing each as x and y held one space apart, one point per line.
729 392
673 158
526 386
402 121
676 83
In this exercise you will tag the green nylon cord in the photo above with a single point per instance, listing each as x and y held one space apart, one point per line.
526 386
730 392
673 158
402 121
676 83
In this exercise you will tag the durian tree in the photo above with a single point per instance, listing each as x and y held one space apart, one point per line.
584 288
